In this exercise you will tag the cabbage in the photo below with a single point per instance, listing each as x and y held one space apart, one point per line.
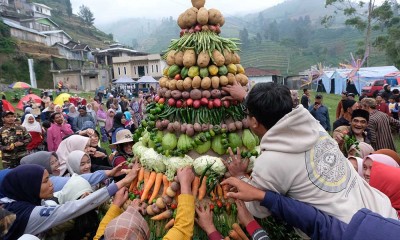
249 141
138 149
146 137
201 163
152 160
174 163
203 148
169 141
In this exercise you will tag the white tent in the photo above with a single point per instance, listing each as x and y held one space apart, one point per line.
124 80
326 80
147 79
340 78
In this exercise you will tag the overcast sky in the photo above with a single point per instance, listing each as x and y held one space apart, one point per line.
112 10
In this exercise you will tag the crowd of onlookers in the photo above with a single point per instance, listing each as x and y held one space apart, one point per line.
342 187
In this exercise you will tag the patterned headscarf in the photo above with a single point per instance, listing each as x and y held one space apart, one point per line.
130 225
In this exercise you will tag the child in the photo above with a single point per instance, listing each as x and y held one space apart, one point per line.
394 107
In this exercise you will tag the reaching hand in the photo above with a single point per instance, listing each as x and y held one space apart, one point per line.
120 197
115 172
244 191
236 91
132 174
244 215
235 165
205 219
185 177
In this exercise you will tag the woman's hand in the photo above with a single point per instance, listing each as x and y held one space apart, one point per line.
235 165
115 172
120 197
205 219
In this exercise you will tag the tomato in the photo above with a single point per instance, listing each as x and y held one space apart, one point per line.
173 206
177 77
211 206
219 203
161 101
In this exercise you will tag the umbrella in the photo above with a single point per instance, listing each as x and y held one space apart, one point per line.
19 85
61 98
7 106
26 98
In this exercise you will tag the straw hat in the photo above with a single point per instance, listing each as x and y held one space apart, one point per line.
123 136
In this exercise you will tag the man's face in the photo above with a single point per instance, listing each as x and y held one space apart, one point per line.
9 119
58 119
318 101
344 96
82 112
358 125
378 99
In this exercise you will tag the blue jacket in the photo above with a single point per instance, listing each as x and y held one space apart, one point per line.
322 115
318 225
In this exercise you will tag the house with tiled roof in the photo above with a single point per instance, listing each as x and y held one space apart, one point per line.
257 75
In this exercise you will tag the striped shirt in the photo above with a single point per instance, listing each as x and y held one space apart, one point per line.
379 126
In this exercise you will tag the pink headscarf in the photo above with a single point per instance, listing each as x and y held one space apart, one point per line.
359 165
109 120
382 158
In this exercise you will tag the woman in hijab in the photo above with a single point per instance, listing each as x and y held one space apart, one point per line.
362 150
383 173
119 124
27 111
91 112
357 164
36 132
100 157
390 153
68 145
129 124
58 108
72 112
109 123
25 200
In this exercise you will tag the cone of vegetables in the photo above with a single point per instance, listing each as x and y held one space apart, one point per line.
188 124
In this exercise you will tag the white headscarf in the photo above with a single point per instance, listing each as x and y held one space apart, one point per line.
73 189
72 143
31 127
74 161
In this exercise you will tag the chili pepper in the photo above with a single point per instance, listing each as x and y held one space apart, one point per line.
219 203
211 206
234 208
131 196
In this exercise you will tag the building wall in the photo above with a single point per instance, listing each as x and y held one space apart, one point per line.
27 36
75 80
72 79
55 38
40 11
68 54
129 66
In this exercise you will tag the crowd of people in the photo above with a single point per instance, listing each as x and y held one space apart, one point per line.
343 186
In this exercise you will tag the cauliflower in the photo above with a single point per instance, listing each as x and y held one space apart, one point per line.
174 163
201 163
138 149
152 160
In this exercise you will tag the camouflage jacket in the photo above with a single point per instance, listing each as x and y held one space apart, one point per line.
11 135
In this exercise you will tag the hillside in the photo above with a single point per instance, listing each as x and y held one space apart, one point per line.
288 37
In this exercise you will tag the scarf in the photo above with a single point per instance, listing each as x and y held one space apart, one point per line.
101 114
365 149
390 153
117 121
28 110
383 159
72 143
73 189
129 225
109 120
41 158
73 114
25 196
386 179
74 161
128 116
359 165
31 127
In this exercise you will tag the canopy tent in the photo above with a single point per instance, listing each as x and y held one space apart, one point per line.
366 75
326 80
147 79
124 80
27 98
340 77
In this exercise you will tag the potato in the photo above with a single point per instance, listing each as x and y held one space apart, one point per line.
189 58
206 83
198 3
190 17
203 59
215 93
242 79
215 17
219 59
163 82
196 83
172 85
176 94
227 55
223 80
195 94
237 58
206 94
171 57
179 85
231 78
185 95
167 94
187 83
215 82
202 16
178 58
181 24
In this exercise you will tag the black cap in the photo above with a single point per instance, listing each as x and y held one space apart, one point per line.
360 113
82 108
319 96
6 113
351 95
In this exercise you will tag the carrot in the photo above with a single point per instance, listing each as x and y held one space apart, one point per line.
219 191
157 186
213 197
195 186
165 184
140 176
148 185
146 176
164 215
169 224
234 235
203 188
239 231
227 238
225 189
133 185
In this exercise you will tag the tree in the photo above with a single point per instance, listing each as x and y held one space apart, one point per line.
86 15
274 31
69 7
244 37
365 16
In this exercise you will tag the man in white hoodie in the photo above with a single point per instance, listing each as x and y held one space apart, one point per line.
299 159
